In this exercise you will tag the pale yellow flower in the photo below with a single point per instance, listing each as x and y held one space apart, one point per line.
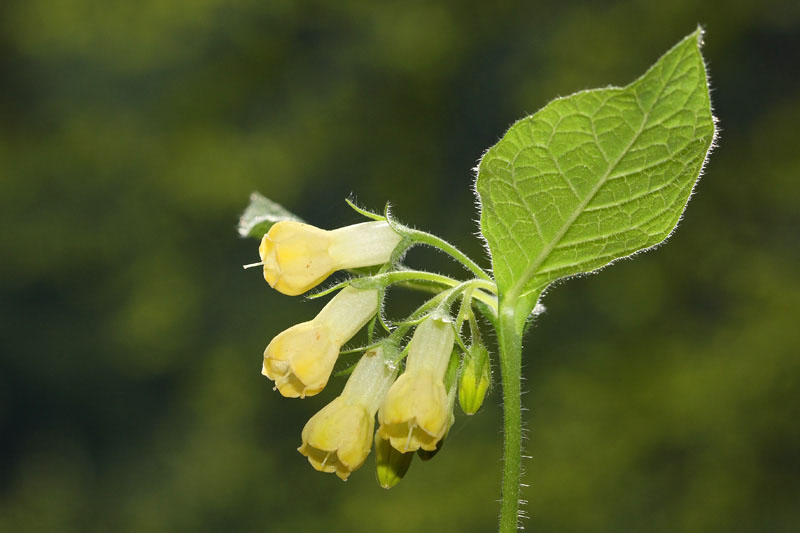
298 257
417 410
339 437
300 359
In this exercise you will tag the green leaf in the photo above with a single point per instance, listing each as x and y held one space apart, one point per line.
260 215
595 176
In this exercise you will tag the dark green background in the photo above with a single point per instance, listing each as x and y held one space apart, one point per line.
664 393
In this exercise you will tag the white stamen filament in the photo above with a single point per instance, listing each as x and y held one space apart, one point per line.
410 430
252 265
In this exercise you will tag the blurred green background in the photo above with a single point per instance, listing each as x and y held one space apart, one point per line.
664 393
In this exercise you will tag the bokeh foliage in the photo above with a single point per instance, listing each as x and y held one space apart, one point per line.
664 392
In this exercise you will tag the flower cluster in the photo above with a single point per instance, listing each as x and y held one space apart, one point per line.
415 410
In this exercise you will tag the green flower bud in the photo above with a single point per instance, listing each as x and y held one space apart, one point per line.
476 375
391 464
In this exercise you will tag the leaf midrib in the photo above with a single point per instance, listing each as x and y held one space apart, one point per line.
517 288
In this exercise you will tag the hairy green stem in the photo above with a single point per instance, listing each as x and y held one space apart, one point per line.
449 249
399 276
510 343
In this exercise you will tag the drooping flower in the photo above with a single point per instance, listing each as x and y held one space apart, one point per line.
417 410
298 257
339 437
300 359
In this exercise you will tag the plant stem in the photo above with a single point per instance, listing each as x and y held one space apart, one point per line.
401 276
449 249
510 345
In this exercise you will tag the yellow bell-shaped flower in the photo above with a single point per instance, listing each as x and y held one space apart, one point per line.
339 437
300 359
417 410
298 257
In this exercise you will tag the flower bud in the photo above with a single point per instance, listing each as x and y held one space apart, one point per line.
475 378
390 465
298 257
300 359
416 413
339 437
